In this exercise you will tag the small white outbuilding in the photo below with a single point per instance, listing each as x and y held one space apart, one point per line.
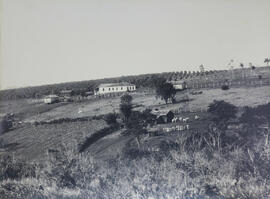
49 99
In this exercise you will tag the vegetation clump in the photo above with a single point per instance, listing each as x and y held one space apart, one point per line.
225 87
165 90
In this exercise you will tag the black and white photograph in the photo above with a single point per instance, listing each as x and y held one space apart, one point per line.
134 99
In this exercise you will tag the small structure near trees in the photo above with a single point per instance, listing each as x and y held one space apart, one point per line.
49 99
163 117
179 84
66 93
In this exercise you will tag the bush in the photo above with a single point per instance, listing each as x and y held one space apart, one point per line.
15 169
222 112
110 118
5 126
225 87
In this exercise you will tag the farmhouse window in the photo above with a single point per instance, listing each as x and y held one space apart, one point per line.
109 89
121 88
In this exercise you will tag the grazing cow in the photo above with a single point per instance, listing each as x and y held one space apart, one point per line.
186 119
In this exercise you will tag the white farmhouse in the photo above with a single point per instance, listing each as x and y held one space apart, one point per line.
49 99
114 88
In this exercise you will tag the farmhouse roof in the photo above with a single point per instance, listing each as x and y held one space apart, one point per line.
116 84
177 82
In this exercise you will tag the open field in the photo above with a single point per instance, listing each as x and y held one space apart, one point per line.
251 96
35 111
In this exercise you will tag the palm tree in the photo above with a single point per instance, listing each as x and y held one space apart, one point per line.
231 68
267 60
202 70
242 67
252 68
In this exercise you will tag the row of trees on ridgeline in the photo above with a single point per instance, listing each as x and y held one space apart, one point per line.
79 88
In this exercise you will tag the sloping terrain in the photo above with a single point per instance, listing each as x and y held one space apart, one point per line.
32 142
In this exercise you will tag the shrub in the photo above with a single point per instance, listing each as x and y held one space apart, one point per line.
222 112
5 125
15 169
225 87
110 118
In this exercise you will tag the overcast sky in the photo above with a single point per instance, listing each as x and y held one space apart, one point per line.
51 41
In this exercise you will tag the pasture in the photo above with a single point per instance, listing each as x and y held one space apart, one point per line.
32 141
31 110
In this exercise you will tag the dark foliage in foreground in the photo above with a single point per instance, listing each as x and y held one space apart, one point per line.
5 125
222 112
15 170
208 163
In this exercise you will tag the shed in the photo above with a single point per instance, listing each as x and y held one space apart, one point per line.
66 93
179 85
164 116
49 99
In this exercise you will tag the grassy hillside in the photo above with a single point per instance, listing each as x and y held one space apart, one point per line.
32 142
204 163
29 110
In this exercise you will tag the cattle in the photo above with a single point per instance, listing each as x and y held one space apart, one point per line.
186 119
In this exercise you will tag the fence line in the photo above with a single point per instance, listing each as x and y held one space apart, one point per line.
241 82
189 110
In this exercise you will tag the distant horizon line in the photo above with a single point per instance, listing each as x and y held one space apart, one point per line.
111 77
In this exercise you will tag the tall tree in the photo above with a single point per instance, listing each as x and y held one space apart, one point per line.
166 91
135 126
126 106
